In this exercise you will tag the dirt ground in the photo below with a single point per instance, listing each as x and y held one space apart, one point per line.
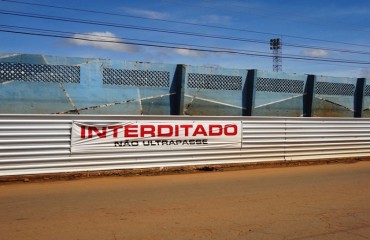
304 202
169 170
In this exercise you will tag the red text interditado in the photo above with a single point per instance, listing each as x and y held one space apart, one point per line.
159 130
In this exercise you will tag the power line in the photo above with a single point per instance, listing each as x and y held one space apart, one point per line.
135 27
125 38
191 48
40 30
170 31
294 14
325 63
275 16
185 23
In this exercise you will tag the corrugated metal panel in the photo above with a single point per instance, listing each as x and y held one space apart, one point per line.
32 144
327 138
263 138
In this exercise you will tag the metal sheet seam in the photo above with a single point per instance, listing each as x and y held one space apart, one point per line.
285 139
70 138
241 135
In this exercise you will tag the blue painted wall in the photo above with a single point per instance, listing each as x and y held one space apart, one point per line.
38 84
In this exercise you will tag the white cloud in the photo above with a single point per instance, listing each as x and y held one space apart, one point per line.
316 53
102 40
188 53
146 13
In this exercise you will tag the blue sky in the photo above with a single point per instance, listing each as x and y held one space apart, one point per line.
320 26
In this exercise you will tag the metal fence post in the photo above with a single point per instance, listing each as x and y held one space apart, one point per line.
309 93
248 93
177 91
359 97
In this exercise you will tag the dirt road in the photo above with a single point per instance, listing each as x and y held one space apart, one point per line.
311 202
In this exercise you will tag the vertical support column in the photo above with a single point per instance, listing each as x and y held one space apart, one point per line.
359 97
177 91
249 93
309 93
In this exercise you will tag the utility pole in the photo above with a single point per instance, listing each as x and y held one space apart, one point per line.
275 46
